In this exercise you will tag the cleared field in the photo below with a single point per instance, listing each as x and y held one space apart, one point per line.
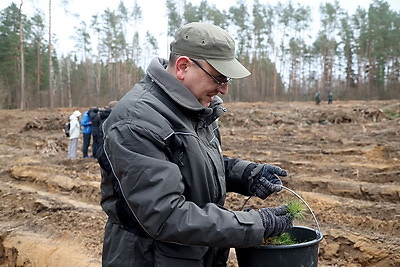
343 159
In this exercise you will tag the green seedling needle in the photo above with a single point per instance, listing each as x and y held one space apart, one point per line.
297 195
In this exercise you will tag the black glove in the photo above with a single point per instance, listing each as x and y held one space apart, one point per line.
266 181
276 220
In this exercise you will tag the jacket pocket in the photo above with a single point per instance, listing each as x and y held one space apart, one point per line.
181 251
244 218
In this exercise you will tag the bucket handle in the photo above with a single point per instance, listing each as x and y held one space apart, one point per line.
297 195
312 213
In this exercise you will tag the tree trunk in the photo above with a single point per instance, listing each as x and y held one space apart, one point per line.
38 72
51 102
21 43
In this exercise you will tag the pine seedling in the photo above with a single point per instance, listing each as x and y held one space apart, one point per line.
283 239
297 209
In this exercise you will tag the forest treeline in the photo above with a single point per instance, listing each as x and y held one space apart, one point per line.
356 56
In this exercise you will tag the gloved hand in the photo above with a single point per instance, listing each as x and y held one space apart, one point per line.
276 220
266 181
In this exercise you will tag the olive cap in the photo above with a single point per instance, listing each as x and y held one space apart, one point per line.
210 43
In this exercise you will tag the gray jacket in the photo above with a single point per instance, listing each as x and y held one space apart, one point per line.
164 180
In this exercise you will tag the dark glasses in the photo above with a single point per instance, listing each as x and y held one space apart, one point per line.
220 83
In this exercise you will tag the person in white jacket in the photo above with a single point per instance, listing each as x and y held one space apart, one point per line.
74 134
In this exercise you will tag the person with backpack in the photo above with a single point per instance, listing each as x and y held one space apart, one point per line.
86 132
74 134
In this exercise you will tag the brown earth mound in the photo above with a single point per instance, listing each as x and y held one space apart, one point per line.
343 159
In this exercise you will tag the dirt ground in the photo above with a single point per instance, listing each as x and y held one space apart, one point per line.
343 159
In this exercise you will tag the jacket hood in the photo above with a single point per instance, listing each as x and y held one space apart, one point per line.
75 114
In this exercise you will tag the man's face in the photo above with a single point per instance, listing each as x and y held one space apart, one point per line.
204 81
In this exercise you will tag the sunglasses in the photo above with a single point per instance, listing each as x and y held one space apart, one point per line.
220 83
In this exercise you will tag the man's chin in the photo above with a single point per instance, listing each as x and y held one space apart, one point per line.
206 103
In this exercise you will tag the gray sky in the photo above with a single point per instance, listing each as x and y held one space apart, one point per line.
154 17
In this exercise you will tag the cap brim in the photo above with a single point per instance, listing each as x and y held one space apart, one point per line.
229 68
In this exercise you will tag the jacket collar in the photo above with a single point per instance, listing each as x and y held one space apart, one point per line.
182 95
172 87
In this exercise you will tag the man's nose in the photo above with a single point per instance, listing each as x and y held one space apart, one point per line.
223 89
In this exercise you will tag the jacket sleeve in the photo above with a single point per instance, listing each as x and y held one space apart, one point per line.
153 188
239 175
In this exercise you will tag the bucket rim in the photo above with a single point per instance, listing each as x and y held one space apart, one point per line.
318 239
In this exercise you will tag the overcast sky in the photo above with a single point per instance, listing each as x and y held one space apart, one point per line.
154 17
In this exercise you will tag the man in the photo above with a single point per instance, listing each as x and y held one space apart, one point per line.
330 97
103 116
95 120
87 132
164 179
107 110
317 98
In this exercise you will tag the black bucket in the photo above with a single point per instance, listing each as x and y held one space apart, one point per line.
303 254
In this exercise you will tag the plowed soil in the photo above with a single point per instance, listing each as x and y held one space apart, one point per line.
343 159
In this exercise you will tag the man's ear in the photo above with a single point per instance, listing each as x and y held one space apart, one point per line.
181 66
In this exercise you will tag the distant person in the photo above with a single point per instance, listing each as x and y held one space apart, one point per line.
330 97
103 116
86 132
317 98
95 119
74 134
107 110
